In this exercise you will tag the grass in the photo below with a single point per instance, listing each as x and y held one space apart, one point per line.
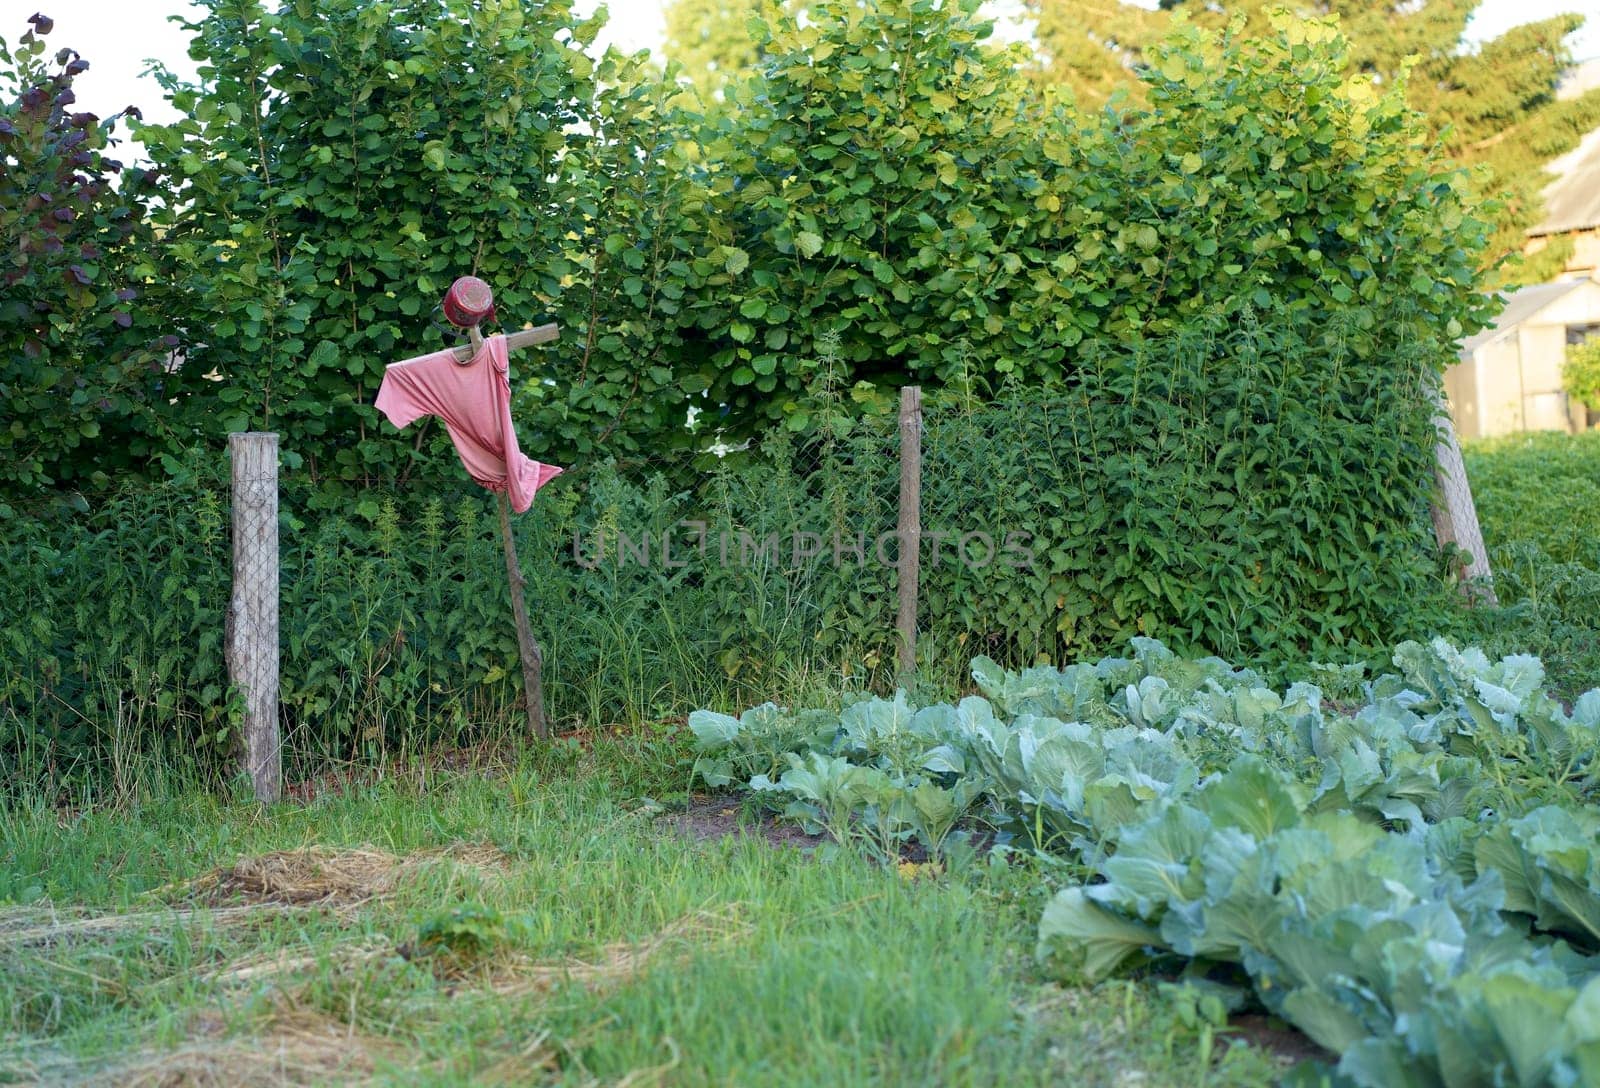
538 925
1539 488
1538 500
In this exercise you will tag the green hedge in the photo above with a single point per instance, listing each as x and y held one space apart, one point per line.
1263 495
1538 499
1256 494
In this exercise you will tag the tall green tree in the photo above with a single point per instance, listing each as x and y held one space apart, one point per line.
863 179
1495 106
888 175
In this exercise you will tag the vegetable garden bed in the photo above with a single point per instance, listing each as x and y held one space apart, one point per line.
1410 876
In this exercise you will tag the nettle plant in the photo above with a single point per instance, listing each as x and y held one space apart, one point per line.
80 356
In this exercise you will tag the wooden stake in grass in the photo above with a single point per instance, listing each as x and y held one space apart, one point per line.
527 646
251 637
1455 515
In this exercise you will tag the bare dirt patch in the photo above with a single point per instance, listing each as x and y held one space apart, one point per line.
709 818
712 817
1277 1038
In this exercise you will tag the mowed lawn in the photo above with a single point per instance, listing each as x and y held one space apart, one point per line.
543 922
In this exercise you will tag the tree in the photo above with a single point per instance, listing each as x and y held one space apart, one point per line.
862 180
344 160
1495 107
1095 50
888 176
711 39
81 373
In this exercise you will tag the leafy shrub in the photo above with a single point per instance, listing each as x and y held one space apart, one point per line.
395 628
80 351
889 178
343 161
1228 491
1580 375
886 176
1248 492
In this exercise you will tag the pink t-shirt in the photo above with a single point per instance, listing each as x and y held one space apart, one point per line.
474 400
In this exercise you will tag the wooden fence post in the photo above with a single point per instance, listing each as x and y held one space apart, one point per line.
251 642
1455 515
909 531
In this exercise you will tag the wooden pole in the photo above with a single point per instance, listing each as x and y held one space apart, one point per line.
527 647
532 656
909 531
1455 515
251 643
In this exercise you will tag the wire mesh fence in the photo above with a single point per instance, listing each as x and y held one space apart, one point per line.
787 544
1064 524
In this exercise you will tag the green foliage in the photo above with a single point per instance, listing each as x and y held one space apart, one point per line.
857 181
395 628
1227 307
1493 106
887 184
1580 376
754 743
911 195
1538 499
343 162
1227 492
81 349
1396 877
461 934
1250 493
1539 488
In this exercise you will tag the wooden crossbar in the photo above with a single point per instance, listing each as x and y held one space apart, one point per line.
522 338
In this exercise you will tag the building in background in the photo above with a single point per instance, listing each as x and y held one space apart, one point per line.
1508 378
1572 200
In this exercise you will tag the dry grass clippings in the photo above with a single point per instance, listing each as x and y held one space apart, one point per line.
619 961
330 876
30 927
297 1047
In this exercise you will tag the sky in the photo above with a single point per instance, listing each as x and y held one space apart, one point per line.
118 37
